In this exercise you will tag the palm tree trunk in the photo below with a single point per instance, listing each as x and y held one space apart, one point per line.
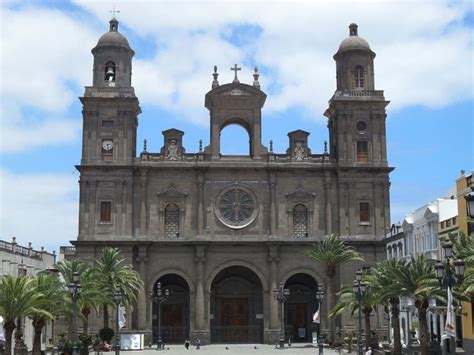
85 329
9 328
331 274
396 326
38 326
424 343
367 327
106 316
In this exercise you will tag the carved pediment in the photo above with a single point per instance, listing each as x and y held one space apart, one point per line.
172 192
300 193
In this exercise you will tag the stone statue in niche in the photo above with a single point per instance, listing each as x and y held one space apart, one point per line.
173 150
299 151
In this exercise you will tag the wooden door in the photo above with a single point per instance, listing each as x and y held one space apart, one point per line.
235 319
297 321
172 322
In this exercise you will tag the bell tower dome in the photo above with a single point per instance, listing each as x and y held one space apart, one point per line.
354 63
112 59
110 107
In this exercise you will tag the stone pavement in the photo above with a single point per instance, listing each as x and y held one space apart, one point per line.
242 349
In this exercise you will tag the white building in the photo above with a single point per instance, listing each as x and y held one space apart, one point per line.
18 260
421 227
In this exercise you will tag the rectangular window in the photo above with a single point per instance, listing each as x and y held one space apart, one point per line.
442 225
364 212
107 124
448 223
362 152
105 211
454 221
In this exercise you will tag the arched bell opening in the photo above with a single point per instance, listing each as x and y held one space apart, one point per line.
235 138
174 312
110 69
236 312
300 308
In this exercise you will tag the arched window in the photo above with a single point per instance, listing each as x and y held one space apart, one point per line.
300 221
110 72
359 76
172 221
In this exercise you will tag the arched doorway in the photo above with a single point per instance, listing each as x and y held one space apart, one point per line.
174 311
236 306
300 307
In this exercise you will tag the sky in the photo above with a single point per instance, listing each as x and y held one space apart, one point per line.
424 63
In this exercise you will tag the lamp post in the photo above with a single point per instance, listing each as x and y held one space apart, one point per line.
320 297
118 299
448 279
359 289
281 295
158 296
75 290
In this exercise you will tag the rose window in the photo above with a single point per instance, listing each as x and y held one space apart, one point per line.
236 208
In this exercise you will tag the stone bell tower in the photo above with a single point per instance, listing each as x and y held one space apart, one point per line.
110 106
236 103
356 111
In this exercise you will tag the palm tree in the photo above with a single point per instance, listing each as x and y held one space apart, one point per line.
464 248
51 301
18 298
66 269
417 280
347 301
113 274
387 290
332 252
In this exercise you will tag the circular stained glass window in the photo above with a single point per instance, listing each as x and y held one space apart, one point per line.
236 207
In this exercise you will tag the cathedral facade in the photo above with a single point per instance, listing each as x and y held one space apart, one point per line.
221 232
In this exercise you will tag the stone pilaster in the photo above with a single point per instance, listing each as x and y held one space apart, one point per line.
144 321
143 188
200 214
200 331
327 198
274 328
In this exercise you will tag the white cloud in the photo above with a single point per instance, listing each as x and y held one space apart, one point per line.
21 133
41 208
424 55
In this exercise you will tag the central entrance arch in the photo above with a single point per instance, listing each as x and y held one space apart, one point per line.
300 307
174 311
236 306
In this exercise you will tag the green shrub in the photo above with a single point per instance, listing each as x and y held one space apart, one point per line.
106 334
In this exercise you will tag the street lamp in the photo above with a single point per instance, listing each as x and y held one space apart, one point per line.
158 296
281 295
359 290
320 297
449 280
75 290
118 299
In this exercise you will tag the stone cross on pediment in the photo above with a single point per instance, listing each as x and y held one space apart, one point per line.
235 69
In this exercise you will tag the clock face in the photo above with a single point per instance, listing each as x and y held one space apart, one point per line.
107 144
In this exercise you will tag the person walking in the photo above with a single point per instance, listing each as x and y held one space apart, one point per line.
186 344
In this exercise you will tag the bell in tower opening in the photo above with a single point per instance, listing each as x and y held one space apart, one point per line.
110 73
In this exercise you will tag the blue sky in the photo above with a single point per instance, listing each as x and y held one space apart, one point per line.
424 63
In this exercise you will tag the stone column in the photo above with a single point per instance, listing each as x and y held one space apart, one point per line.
271 184
200 325
83 190
327 196
274 330
143 185
91 207
144 322
200 214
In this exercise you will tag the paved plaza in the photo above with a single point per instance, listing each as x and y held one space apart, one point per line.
222 349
